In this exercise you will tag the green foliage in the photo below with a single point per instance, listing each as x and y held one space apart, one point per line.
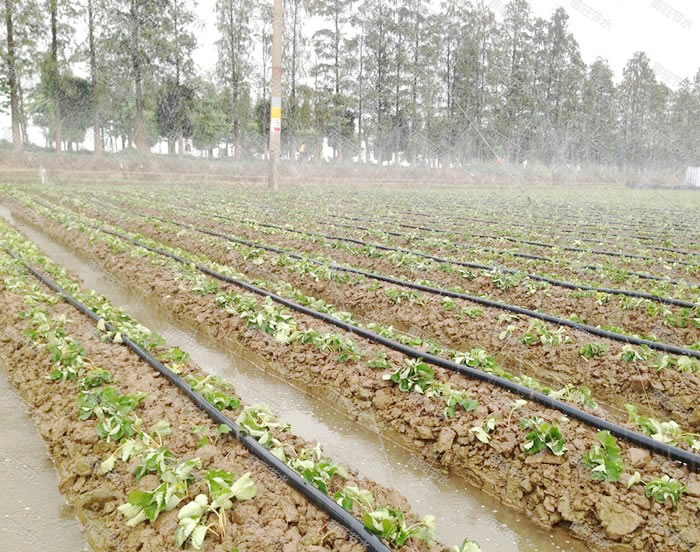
380 362
482 432
350 495
148 505
454 398
215 391
630 354
390 524
581 395
604 460
505 280
591 350
539 333
399 295
258 422
95 378
316 469
466 546
416 376
664 488
666 432
542 435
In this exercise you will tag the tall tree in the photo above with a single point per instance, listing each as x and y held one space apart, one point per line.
635 102
54 76
331 47
92 12
174 109
295 45
11 62
135 38
233 23
599 115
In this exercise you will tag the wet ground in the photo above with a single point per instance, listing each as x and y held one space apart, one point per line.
461 510
34 515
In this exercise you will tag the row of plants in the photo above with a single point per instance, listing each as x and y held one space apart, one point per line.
528 290
277 322
118 424
537 333
525 243
605 463
494 426
611 271
283 327
446 243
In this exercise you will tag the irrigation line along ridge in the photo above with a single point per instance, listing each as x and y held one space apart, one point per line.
425 255
674 453
291 477
666 348
538 227
518 240
558 283
552 281
418 253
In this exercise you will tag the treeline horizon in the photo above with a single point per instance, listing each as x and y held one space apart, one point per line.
373 81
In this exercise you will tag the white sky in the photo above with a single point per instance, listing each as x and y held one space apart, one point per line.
612 29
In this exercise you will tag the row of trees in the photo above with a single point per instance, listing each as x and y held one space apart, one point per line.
376 80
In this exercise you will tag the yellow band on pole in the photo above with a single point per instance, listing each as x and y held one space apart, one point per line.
276 112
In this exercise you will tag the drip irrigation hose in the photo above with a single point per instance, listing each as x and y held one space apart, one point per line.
564 230
291 477
553 281
669 451
673 349
663 347
425 255
528 242
388 248
559 283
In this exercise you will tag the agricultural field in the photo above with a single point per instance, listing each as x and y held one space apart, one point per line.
355 367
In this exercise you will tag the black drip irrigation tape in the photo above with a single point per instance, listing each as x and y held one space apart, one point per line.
559 229
528 242
640 275
553 281
673 349
439 291
674 453
567 219
529 256
317 498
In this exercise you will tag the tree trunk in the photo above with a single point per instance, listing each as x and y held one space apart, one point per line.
139 123
55 77
12 76
93 76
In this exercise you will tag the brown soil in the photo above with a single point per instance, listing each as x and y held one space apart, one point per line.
551 491
669 393
311 221
278 518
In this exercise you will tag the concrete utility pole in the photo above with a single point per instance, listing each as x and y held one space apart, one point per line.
276 93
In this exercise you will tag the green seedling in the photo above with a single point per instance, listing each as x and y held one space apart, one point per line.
604 460
542 435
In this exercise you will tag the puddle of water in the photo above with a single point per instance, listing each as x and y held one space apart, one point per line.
33 513
461 509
